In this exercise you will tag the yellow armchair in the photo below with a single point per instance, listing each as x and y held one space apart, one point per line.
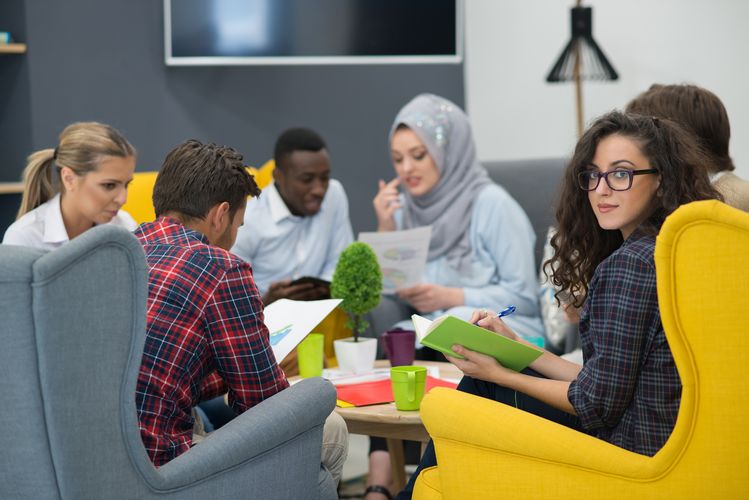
140 192
139 202
263 175
489 450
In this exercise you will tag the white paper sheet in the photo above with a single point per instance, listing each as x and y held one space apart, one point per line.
402 255
289 321
340 377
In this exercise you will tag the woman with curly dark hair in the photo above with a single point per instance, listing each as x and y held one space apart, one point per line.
628 173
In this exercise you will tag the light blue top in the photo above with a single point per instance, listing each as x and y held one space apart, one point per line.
502 270
279 245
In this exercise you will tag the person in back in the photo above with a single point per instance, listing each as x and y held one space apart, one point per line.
205 332
481 247
73 187
703 113
300 225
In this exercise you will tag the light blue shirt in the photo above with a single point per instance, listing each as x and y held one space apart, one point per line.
279 245
502 271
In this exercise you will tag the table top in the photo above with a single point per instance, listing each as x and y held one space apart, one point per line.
385 420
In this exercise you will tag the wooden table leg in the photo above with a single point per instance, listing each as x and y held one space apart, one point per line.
397 463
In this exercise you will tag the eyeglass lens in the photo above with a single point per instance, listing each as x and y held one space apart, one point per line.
618 180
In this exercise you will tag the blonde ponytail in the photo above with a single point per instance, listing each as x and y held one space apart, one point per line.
41 180
81 147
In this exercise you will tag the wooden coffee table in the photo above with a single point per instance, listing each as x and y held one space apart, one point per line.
385 421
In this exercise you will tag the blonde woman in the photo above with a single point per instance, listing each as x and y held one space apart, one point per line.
73 187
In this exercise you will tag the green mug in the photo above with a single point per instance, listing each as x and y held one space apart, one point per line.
408 386
310 355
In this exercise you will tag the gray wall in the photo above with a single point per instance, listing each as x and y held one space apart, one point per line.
103 61
15 116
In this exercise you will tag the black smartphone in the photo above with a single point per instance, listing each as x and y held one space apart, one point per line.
311 279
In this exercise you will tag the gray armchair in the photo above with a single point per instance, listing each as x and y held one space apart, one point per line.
73 328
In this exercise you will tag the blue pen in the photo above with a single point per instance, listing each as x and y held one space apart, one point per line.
504 312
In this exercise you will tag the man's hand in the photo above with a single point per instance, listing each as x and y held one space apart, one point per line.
428 297
302 291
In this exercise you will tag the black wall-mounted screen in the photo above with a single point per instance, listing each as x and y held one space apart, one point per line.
312 31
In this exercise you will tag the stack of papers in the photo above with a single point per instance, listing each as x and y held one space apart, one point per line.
289 321
402 255
340 377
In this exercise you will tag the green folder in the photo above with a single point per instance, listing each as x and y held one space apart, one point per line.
446 331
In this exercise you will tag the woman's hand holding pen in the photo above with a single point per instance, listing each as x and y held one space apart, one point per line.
481 366
386 203
489 320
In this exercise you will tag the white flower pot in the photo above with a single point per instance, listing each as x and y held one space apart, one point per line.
356 357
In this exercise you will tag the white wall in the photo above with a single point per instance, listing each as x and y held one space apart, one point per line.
511 46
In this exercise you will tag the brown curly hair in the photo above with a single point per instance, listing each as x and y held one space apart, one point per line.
580 244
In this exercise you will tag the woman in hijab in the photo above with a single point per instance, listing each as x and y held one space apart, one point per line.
481 248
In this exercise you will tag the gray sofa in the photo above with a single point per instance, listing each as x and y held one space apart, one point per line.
534 184
73 329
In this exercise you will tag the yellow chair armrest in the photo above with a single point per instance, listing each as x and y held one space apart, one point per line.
428 485
479 422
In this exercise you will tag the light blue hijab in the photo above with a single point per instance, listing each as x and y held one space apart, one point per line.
444 129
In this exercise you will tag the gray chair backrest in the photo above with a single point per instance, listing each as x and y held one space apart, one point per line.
25 456
535 185
74 321
73 330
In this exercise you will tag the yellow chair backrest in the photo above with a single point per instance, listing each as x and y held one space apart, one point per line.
140 192
140 197
489 450
263 175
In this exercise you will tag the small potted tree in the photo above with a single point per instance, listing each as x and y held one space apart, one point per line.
358 281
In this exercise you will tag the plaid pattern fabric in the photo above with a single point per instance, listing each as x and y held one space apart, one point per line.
628 391
205 335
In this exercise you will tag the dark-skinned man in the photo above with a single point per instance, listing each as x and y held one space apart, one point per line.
299 225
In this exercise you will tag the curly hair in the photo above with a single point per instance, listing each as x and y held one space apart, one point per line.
580 244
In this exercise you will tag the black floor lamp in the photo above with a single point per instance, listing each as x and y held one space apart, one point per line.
581 59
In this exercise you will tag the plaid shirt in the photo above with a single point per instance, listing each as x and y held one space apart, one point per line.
628 391
205 335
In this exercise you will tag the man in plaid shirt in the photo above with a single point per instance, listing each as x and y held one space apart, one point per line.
205 331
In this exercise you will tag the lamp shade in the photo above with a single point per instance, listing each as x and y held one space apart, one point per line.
582 49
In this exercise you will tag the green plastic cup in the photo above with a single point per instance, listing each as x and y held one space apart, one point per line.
408 386
310 355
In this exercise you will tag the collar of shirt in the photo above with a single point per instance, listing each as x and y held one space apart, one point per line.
636 235
278 209
170 231
54 226
714 177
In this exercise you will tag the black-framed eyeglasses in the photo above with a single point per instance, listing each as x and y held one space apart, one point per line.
618 180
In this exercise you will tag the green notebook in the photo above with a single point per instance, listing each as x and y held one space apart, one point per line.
446 331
